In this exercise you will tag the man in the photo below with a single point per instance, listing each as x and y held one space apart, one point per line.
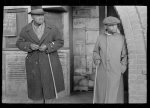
110 58
43 68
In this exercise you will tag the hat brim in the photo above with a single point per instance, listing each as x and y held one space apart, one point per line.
111 24
37 13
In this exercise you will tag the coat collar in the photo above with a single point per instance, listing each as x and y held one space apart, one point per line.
107 33
30 30
29 26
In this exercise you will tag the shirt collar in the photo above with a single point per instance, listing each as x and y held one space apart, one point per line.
108 34
29 26
35 27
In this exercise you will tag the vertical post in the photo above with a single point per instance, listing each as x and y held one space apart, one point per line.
105 11
70 12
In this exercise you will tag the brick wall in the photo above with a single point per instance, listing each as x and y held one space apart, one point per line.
134 20
85 32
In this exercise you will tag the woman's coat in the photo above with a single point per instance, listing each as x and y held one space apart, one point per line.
39 76
110 50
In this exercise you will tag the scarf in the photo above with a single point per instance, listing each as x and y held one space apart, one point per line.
39 30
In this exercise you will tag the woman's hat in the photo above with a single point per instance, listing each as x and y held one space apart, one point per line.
111 20
37 10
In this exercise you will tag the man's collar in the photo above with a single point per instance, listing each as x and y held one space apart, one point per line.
29 26
38 26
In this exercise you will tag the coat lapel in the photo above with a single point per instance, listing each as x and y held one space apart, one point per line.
32 34
46 31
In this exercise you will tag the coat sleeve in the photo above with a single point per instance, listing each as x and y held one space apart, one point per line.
96 52
123 57
22 42
57 43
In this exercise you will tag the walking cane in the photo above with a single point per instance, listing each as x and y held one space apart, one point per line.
95 85
52 75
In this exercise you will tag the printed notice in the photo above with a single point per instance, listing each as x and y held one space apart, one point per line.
15 74
64 59
9 24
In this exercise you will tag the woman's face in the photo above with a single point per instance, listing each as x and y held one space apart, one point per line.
39 19
111 28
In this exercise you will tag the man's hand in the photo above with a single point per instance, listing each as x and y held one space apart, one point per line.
43 47
34 46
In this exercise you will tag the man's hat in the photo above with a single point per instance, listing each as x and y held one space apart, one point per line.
111 20
37 10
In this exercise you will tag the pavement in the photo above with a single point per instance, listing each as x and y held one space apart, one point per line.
77 97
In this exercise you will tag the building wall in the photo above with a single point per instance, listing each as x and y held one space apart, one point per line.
85 33
134 20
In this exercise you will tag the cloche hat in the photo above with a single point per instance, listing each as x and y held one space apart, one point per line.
111 20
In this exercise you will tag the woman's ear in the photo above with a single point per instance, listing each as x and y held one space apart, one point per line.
105 27
32 16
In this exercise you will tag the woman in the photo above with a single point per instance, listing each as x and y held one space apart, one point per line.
110 58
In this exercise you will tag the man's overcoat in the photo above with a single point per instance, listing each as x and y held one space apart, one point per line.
39 76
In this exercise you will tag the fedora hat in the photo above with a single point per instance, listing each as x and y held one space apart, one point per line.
37 10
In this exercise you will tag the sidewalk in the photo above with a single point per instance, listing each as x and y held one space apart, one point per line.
77 97
84 97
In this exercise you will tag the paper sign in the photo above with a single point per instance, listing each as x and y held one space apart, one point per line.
9 24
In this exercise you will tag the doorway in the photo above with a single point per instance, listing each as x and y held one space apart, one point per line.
112 12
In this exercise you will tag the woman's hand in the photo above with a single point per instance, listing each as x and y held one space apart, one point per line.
97 62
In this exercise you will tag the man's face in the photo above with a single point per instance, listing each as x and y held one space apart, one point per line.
39 19
111 28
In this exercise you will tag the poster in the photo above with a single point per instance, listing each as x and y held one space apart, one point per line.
9 24
65 62
15 83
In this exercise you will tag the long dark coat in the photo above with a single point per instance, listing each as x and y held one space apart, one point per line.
39 77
